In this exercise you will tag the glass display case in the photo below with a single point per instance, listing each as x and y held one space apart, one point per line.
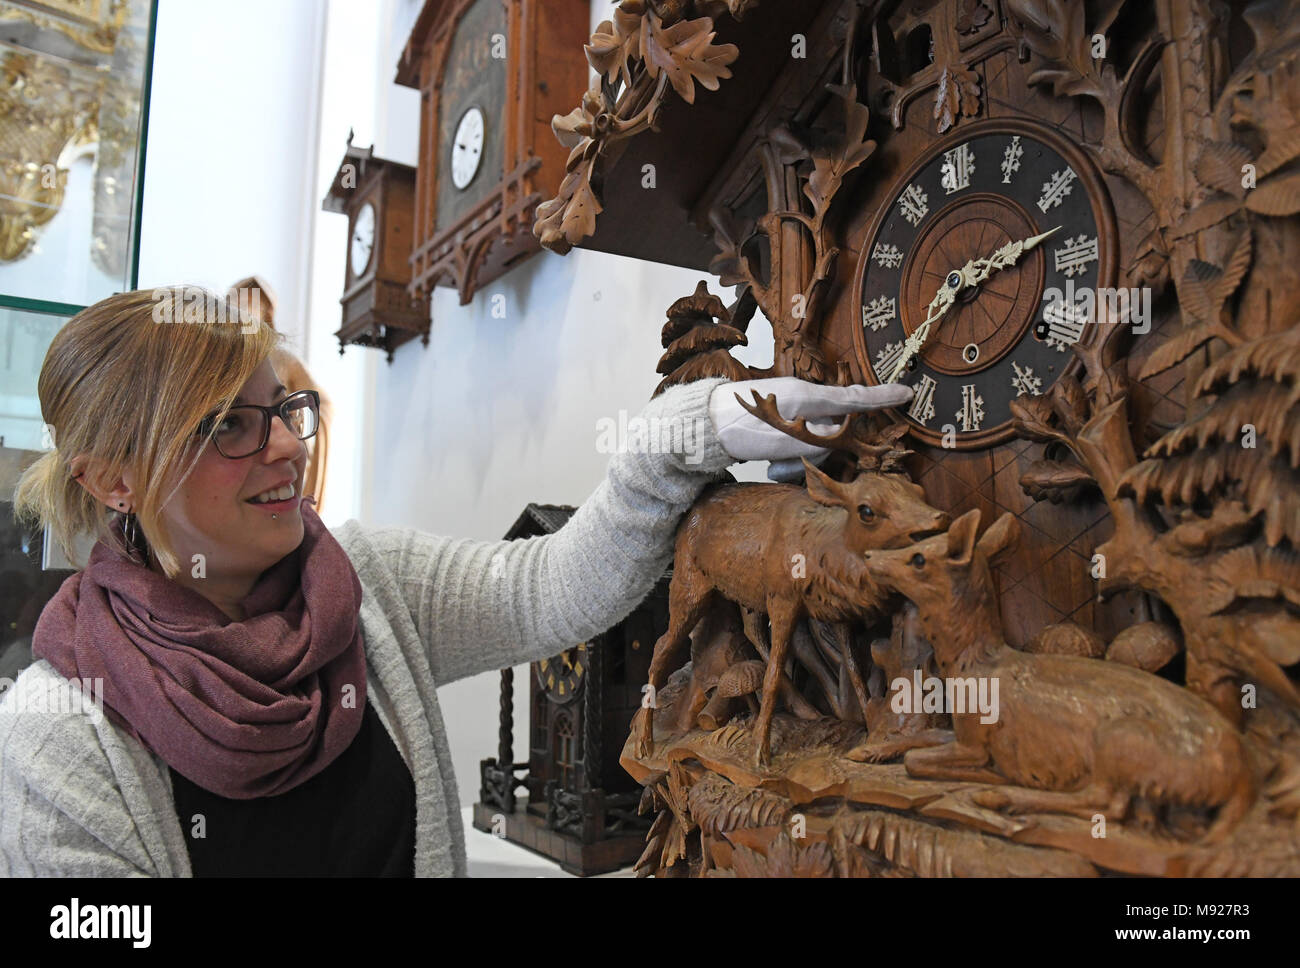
74 108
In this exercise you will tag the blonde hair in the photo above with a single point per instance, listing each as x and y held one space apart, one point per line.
127 381
295 376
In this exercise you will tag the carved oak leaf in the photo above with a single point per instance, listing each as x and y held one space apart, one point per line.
571 215
974 15
832 163
580 124
958 95
611 45
685 52
1031 416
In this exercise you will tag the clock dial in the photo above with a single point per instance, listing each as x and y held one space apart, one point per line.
363 238
1009 335
467 148
561 676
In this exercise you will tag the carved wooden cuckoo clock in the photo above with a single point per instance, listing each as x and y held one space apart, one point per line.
491 73
1071 227
377 197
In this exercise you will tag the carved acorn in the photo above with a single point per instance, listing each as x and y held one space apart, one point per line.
1147 645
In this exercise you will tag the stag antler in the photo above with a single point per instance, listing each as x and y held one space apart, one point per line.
873 451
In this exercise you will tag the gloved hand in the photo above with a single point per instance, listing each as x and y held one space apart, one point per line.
745 437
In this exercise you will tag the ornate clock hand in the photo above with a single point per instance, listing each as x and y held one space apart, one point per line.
971 274
940 304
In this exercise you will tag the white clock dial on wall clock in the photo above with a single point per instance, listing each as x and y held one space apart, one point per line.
363 238
467 147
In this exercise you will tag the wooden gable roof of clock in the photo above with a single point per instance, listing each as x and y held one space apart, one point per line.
545 70
357 167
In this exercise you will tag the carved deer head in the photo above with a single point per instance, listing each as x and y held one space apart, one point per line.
884 510
948 577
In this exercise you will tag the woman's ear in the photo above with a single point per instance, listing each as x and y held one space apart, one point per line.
89 473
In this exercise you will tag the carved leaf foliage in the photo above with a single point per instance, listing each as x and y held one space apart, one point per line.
571 215
1150 265
784 858
1054 481
1266 573
1205 216
1032 418
958 96
1172 352
1277 197
1219 166
1229 525
718 805
1056 31
1283 148
686 53
1266 485
831 164
612 45
1273 357
1069 403
974 15
1270 409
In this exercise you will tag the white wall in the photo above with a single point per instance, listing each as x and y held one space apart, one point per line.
498 412
232 145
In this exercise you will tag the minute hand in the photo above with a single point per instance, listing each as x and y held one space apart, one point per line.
977 270
971 274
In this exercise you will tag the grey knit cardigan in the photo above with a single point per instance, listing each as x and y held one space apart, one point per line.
80 798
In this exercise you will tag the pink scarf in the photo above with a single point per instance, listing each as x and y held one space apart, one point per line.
243 709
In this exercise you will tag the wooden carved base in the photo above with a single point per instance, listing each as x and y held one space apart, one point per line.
816 813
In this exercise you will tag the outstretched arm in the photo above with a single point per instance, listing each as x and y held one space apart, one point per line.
480 605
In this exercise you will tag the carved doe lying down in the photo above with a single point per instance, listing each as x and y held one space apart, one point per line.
1087 736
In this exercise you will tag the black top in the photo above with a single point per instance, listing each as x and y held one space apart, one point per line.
355 818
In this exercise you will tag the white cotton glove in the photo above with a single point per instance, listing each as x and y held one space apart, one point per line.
745 437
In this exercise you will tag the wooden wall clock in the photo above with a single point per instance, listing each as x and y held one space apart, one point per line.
1122 481
581 808
377 196
491 74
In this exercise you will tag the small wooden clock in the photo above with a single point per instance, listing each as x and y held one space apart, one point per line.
582 807
491 74
378 197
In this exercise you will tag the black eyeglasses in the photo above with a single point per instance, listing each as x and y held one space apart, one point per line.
245 429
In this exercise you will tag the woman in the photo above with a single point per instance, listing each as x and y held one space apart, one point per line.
269 688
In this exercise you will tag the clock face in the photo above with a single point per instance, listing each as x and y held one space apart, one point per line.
562 675
363 238
467 147
1009 335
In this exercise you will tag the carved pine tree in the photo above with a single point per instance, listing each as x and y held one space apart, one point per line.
697 338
